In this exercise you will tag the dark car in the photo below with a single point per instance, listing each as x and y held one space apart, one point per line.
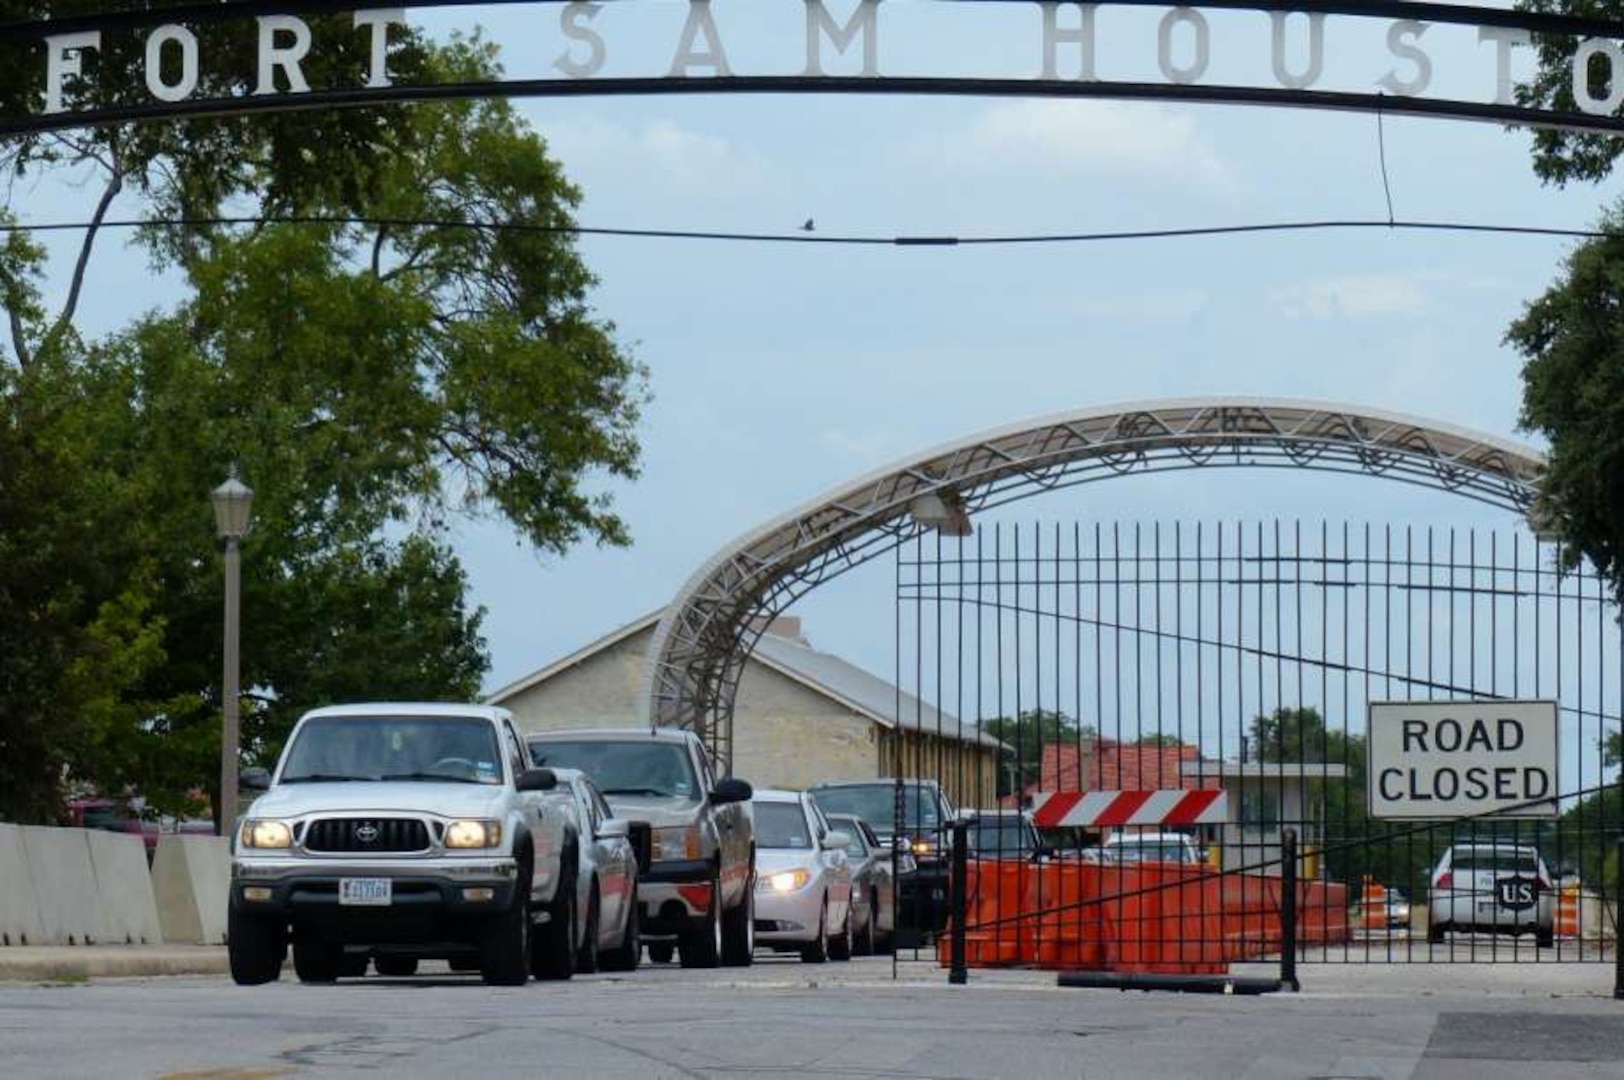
924 833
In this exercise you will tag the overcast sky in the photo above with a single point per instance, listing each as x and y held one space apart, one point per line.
780 371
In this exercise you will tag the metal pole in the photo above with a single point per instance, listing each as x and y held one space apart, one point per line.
1618 924
1288 909
229 693
959 973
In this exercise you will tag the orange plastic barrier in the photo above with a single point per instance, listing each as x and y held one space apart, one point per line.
1567 911
1160 918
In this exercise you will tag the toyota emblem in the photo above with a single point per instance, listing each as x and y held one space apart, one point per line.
366 833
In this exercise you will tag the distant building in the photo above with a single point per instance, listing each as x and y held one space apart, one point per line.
800 715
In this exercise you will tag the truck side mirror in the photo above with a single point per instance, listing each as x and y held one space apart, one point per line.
537 780
731 790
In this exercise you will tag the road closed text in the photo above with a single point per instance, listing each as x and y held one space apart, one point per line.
1445 760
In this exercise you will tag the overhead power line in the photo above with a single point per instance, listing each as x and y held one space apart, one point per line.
805 237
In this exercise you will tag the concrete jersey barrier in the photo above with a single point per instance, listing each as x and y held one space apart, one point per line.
20 923
191 880
64 886
124 888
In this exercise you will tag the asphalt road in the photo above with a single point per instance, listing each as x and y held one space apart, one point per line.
781 1018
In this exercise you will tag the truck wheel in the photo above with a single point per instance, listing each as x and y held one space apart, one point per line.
739 930
257 946
316 961
661 952
702 946
629 953
816 951
840 945
504 948
586 957
552 947
396 967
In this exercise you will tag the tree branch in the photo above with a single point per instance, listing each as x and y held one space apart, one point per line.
115 184
19 343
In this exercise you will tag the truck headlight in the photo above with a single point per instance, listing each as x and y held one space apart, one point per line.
677 843
473 834
264 833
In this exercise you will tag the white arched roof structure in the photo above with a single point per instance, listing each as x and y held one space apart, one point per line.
701 643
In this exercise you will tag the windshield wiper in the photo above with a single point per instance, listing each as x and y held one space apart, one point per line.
325 778
637 791
448 777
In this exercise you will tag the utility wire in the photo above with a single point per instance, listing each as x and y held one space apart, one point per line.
801 237
1381 157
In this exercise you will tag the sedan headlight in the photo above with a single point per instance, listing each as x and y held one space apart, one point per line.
473 834
923 847
667 845
263 833
785 881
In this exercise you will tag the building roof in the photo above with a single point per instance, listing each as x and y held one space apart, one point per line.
1107 765
793 657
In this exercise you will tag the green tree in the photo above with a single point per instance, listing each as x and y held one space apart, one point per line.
1572 337
1289 734
1024 736
1564 156
370 383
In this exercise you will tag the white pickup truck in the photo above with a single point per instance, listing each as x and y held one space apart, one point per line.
399 832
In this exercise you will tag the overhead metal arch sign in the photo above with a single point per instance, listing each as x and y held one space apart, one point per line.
1425 59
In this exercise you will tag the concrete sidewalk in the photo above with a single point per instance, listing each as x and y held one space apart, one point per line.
47 963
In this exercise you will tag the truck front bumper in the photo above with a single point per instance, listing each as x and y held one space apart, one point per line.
431 901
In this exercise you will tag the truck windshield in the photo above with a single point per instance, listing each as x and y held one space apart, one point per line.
877 805
623 766
457 749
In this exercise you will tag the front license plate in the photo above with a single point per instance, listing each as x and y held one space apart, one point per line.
365 891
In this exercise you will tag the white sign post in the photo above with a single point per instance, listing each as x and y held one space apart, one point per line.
1436 760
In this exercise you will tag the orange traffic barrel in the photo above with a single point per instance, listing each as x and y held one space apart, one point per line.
1567 910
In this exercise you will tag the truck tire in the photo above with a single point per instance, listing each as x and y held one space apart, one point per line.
256 947
739 929
701 947
317 961
816 951
504 947
629 953
552 947
661 952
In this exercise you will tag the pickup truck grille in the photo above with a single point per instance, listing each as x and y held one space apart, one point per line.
366 835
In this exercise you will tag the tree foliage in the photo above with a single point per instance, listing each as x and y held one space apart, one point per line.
369 383
1572 337
1562 156
1024 736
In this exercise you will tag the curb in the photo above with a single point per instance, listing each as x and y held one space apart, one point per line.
26 964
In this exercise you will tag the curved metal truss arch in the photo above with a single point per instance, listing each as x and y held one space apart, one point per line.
708 631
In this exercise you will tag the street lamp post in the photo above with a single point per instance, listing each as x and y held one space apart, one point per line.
232 502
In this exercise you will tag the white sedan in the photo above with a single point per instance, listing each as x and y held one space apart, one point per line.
803 878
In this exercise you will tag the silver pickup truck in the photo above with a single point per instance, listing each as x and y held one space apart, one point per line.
694 835
397 832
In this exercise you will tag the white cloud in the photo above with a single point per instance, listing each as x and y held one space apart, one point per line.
1355 297
1147 141
659 153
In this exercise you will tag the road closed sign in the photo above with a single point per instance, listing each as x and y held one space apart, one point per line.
1455 759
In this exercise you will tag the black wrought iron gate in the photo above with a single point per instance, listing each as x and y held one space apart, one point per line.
1241 658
